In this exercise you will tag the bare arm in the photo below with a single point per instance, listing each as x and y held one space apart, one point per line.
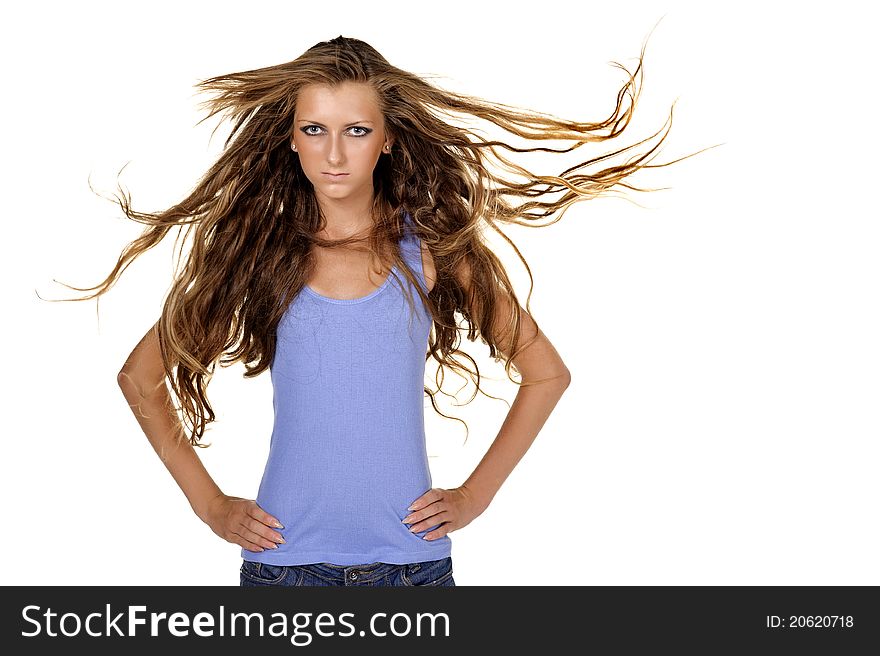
237 520
142 380
529 411
531 407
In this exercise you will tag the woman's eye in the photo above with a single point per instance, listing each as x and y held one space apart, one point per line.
364 131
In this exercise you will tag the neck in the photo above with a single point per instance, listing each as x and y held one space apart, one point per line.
347 216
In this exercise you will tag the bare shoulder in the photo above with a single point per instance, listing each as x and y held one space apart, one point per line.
428 267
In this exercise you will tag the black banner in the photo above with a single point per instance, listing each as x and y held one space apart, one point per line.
434 620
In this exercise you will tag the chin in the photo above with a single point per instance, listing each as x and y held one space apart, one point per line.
332 192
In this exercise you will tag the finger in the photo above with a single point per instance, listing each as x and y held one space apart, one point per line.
428 497
438 533
262 516
430 522
254 537
262 530
424 513
247 544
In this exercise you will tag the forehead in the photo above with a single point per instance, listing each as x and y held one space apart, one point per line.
337 102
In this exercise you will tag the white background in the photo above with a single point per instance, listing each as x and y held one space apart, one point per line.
721 426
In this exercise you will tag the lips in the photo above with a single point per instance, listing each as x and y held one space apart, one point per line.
334 175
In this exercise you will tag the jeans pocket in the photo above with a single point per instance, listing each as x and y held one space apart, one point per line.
429 572
262 572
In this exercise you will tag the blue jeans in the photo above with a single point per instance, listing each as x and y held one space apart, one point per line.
429 572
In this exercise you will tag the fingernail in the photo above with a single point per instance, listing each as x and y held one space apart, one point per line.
278 524
411 507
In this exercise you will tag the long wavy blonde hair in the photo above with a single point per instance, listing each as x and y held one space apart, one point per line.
255 215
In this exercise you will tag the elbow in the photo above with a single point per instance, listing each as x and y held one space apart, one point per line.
129 383
122 378
566 378
136 384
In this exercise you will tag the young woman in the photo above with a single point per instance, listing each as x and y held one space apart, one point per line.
338 241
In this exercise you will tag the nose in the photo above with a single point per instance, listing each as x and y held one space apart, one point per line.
335 154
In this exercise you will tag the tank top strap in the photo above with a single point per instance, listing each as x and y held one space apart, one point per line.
411 248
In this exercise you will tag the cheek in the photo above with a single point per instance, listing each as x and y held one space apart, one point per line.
364 153
361 162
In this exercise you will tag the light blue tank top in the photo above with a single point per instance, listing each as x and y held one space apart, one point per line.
347 454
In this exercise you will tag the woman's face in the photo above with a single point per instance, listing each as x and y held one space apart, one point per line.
339 130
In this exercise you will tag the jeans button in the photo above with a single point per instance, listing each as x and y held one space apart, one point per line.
353 576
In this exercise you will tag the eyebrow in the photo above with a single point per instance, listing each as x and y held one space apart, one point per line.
303 120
